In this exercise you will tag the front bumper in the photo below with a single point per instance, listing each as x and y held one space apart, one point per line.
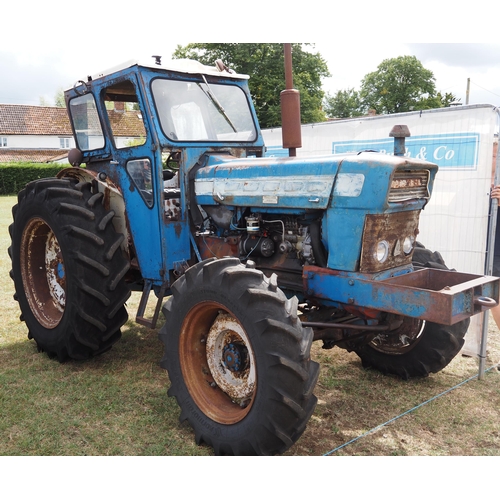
444 297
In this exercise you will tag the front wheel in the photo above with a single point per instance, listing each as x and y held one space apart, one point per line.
238 359
418 347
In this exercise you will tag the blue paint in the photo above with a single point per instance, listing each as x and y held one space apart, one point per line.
267 183
276 152
60 270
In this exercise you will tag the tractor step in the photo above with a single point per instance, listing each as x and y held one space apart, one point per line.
150 323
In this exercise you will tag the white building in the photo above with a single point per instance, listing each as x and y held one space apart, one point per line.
43 134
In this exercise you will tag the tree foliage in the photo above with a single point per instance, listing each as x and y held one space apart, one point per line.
440 100
398 85
343 104
59 101
264 63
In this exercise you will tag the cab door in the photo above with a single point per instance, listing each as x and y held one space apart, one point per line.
136 168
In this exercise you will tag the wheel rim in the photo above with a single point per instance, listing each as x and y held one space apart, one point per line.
217 363
43 273
403 340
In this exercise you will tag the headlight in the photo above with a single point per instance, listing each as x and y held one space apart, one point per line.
408 244
381 251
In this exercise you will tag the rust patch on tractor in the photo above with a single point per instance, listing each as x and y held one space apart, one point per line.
392 228
43 273
178 229
56 277
212 246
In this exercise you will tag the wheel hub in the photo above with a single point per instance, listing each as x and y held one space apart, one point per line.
230 358
56 279
235 357
404 339
43 272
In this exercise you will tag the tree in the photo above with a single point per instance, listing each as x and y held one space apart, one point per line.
437 101
447 99
344 104
43 101
59 101
264 63
398 85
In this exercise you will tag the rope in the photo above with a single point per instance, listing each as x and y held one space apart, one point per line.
375 429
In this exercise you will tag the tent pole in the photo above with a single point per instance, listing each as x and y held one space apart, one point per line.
489 265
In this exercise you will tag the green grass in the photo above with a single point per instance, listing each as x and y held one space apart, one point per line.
117 404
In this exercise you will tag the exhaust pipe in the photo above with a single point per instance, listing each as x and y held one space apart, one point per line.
399 132
290 108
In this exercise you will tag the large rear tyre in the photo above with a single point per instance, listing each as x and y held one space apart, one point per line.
417 348
68 269
238 359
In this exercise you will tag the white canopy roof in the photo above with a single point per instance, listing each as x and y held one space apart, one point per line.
180 65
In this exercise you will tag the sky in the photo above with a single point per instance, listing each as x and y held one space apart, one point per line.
47 46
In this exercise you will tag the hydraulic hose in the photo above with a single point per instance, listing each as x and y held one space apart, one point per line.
317 245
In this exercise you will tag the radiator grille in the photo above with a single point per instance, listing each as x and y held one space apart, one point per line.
393 228
409 185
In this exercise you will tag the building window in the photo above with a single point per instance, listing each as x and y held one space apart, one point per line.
64 142
3 142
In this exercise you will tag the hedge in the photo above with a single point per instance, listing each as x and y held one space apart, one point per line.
14 176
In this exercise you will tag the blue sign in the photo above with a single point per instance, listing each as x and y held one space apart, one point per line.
276 151
449 151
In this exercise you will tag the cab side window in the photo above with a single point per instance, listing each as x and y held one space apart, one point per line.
124 115
88 131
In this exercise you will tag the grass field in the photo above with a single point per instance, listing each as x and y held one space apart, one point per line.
117 404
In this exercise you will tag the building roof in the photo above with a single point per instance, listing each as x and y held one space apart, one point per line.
126 123
20 119
32 155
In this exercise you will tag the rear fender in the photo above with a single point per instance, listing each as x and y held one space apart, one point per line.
113 198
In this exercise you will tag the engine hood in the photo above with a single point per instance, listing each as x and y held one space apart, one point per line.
267 182
346 181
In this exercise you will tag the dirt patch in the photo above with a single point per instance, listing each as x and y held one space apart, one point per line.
362 412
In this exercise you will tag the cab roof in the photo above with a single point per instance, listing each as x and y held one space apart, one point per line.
188 66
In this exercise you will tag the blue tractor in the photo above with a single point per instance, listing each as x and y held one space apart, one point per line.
250 258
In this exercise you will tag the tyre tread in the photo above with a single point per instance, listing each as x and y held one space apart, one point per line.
95 267
290 375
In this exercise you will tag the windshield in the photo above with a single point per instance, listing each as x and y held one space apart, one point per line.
191 111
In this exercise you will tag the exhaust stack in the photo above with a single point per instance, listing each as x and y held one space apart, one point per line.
290 108
399 132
